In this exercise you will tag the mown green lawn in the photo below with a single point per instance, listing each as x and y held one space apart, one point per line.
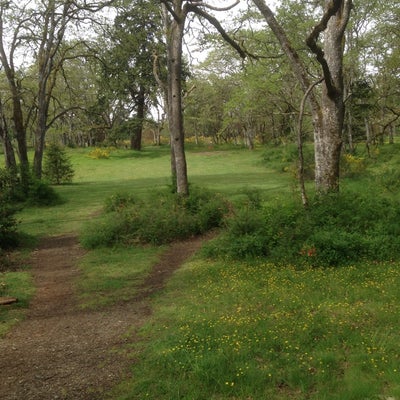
228 172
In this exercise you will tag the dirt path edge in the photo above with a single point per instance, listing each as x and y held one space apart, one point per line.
62 352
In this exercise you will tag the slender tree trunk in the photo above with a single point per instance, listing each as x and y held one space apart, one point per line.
136 137
350 132
9 155
175 117
41 129
8 66
391 133
368 139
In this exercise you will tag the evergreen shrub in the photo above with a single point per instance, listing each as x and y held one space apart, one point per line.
334 230
161 218
8 222
41 194
57 167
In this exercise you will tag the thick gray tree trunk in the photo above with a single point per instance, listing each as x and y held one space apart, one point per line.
328 108
328 136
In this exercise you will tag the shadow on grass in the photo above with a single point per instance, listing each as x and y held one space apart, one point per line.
147 152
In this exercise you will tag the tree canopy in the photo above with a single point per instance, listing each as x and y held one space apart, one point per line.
91 74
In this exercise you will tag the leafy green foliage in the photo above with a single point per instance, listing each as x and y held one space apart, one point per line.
285 159
119 201
333 230
99 153
161 218
41 194
19 188
389 179
352 166
8 222
57 166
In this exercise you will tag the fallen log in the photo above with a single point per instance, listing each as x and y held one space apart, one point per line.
7 300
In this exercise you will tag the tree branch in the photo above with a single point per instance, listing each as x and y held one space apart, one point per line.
200 3
332 9
213 21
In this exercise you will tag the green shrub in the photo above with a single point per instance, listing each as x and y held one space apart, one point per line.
99 153
352 166
333 230
19 187
161 218
389 179
42 194
8 225
119 201
57 167
252 198
285 158
8 222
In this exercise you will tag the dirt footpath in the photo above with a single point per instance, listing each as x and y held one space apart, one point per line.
61 352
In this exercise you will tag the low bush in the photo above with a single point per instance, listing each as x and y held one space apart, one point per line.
8 222
40 193
389 179
333 230
284 158
18 188
99 153
119 201
161 218
8 226
352 166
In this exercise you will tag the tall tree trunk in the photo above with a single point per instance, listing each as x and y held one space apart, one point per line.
328 138
391 133
9 155
328 112
350 132
20 131
368 139
136 136
9 70
175 116
41 128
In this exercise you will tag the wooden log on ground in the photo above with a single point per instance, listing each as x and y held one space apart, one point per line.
7 300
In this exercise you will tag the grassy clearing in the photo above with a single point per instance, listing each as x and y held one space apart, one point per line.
255 331
127 171
239 330
137 173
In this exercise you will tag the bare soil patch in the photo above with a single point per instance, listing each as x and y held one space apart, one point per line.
62 352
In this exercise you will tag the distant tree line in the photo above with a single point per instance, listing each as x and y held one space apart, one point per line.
70 74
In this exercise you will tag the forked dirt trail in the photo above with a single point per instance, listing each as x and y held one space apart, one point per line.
62 352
